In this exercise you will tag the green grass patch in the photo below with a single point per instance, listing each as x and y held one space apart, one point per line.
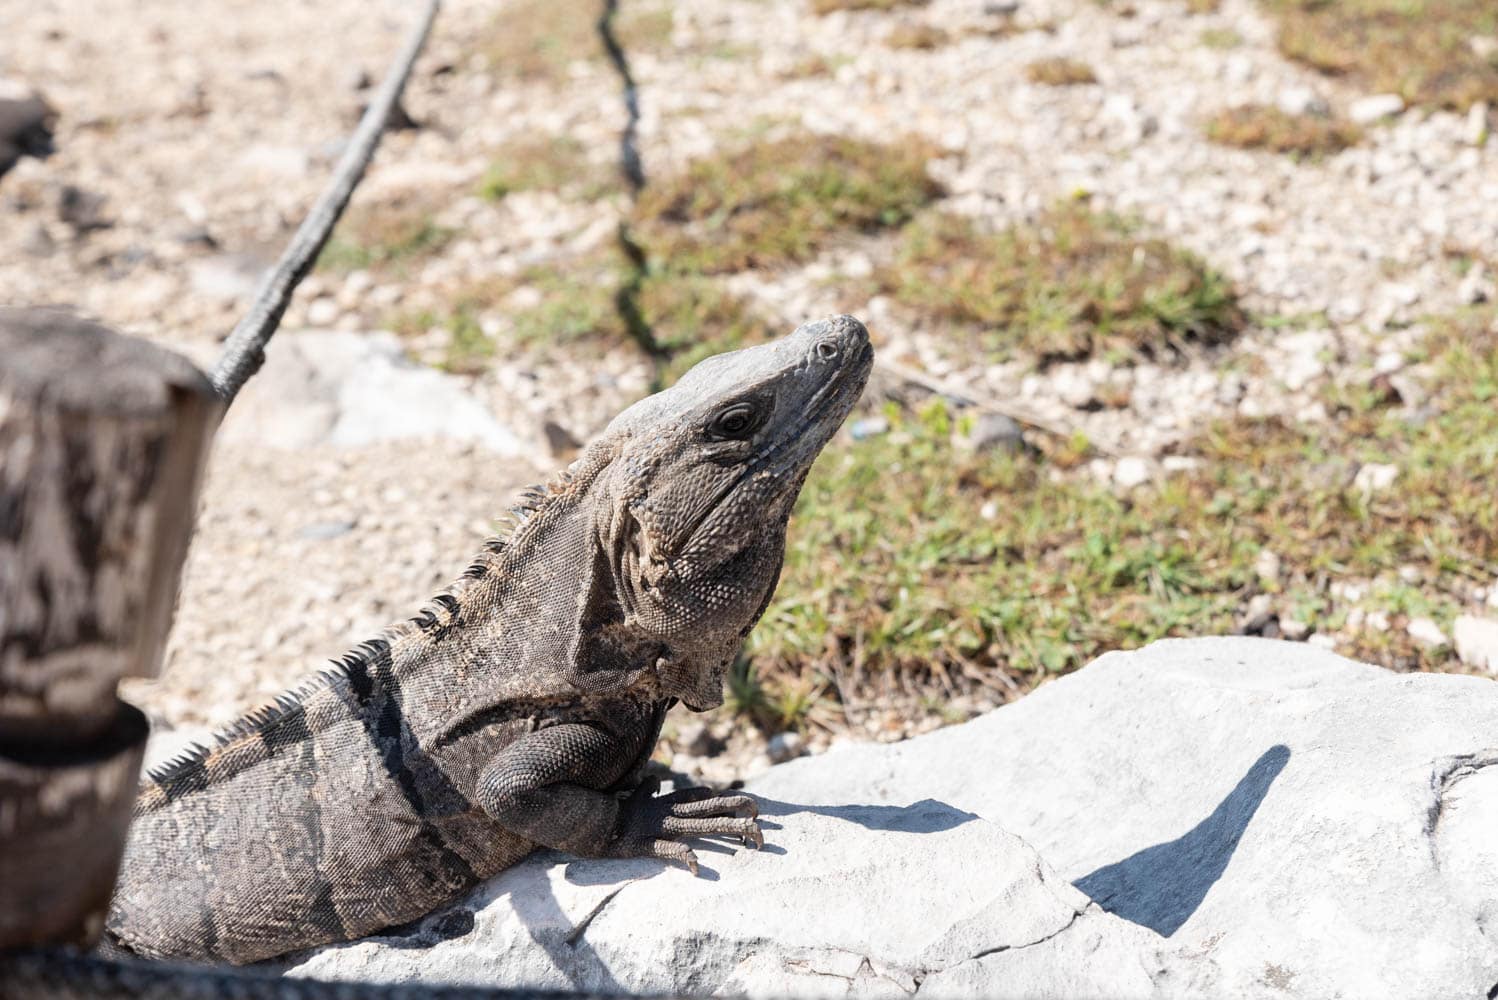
469 348
691 315
1075 282
541 40
1259 126
1424 50
1059 71
778 202
390 235
892 566
545 163
1220 38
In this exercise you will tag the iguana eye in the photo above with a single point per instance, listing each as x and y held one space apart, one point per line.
738 420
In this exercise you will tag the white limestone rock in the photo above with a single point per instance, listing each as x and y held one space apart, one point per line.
847 900
355 389
1248 817
1282 815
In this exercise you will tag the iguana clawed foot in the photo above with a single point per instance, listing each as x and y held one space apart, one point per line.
649 823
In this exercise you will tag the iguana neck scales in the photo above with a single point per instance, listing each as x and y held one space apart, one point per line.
518 708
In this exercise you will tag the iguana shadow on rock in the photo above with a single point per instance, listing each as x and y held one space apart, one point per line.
1161 886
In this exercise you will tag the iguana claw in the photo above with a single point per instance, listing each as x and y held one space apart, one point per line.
651 824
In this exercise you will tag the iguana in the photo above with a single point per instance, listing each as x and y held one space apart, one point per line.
519 707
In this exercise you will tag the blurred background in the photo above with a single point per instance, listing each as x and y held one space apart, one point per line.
1185 311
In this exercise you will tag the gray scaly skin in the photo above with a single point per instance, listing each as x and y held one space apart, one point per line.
521 705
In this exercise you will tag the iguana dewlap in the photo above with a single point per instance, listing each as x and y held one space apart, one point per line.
520 706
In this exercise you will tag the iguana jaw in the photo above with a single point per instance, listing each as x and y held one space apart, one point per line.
787 458
702 485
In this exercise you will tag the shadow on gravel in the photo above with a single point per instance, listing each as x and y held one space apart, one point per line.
1160 887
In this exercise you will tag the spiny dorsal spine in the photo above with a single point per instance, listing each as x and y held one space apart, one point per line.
260 733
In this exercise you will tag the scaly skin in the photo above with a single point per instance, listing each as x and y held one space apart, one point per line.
521 705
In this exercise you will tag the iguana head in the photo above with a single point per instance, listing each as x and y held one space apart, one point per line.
691 527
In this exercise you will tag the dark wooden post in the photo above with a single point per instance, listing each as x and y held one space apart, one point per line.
102 444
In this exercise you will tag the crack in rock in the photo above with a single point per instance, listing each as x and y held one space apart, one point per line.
582 925
1071 922
865 969
1445 773
1076 914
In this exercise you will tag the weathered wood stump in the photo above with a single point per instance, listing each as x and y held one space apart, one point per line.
102 444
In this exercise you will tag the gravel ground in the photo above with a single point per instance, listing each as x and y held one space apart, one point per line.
207 137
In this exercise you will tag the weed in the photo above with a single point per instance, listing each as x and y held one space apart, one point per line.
828 6
1258 126
1220 38
384 235
545 163
815 65
1059 71
1074 283
1419 49
691 315
919 36
469 348
780 201
541 40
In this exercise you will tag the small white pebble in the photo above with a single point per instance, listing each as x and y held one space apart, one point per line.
1426 632
1131 471
1375 477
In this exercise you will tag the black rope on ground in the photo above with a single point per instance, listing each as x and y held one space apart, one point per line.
244 352
627 296
629 154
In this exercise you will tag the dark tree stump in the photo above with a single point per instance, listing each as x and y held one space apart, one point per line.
102 444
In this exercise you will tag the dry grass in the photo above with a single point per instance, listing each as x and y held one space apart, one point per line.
1073 283
1059 71
389 235
779 202
541 40
919 36
1258 126
546 163
1220 38
691 316
814 66
828 6
1420 49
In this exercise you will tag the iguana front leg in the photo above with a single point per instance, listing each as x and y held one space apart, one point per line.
546 787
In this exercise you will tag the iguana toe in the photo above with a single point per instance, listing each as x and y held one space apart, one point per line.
651 825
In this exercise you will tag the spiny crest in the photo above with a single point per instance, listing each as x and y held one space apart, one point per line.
434 620
261 718
438 616
529 501
485 561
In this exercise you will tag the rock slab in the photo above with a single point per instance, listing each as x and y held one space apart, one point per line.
850 910
1292 822
349 390
1216 816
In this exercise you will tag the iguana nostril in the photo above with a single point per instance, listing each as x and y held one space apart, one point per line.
826 350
